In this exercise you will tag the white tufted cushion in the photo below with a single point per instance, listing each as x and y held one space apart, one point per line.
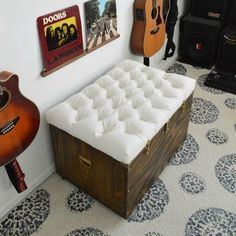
123 109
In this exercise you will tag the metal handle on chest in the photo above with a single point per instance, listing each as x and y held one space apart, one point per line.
84 161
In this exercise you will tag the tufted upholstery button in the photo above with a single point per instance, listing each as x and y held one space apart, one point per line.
138 101
99 102
123 83
133 127
118 101
104 112
164 103
118 74
126 111
78 101
131 91
93 90
85 112
114 91
111 123
123 109
105 81
148 91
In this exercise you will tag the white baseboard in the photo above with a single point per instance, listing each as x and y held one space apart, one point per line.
31 186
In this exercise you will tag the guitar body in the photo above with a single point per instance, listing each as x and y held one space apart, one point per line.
148 33
19 119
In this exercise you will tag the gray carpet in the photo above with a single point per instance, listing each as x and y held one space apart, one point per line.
195 195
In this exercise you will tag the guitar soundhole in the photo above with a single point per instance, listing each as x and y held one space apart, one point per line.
154 13
4 98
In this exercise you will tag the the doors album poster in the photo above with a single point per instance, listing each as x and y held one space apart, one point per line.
60 35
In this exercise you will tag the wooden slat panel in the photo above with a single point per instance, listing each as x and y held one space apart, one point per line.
144 170
105 180
143 161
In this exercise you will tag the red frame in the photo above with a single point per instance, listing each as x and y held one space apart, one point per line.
62 54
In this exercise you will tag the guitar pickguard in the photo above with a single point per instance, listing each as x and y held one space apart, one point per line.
9 126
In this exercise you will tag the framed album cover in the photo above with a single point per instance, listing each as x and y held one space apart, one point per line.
101 22
60 36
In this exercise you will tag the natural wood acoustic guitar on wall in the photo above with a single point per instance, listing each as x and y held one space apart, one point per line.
19 123
148 32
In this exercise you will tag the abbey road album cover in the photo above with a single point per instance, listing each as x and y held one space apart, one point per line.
101 22
60 35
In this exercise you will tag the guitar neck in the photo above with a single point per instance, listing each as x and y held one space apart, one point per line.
154 3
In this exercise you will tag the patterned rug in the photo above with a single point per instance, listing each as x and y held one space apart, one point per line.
194 196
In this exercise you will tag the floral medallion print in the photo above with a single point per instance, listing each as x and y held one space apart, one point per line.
231 103
153 234
152 204
215 136
201 80
203 111
79 201
226 172
186 153
177 69
192 183
86 232
28 216
211 221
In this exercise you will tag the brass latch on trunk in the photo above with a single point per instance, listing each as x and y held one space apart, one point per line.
183 106
167 129
147 147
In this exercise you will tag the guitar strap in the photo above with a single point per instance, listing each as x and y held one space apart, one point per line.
170 27
16 176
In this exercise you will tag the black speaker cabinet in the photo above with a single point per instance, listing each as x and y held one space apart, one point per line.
199 38
231 12
226 59
209 8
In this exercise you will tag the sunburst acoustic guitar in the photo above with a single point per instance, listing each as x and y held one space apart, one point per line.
148 32
19 123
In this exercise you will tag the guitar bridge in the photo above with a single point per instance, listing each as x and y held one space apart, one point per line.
9 126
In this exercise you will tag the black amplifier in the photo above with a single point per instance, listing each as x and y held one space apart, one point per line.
216 9
227 50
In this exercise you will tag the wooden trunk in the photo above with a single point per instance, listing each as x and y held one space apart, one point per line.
117 185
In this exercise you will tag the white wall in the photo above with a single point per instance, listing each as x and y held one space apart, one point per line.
20 53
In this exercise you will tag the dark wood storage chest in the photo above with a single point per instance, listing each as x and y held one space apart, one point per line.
117 185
